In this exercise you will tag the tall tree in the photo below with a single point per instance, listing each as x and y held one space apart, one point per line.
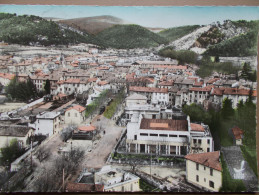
47 86
227 111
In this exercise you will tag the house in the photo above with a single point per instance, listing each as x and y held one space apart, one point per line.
86 132
116 180
75 114
47 123
18 132
237 135
156 95
136 99
204 170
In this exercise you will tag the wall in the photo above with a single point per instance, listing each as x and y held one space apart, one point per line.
204 176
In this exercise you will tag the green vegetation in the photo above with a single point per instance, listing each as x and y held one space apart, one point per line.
244 116
229 184
197 113
27 30
251 158
146 187
112 108
22 91
207 67
175 33
129 36
92 108
211 37
183 56
247 73
10 152
239 46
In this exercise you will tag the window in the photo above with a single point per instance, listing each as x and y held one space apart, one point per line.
197 178
204 168
172 135
135 137
163 135
68 114
154 135
211 184
143 134
199 141
208 141
208 149
211 171
197 166
75 114
194 141
183 136
204 179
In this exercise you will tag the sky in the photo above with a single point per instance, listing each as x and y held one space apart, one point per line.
148 16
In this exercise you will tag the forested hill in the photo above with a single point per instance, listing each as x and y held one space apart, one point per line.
31 30
171 34
130 36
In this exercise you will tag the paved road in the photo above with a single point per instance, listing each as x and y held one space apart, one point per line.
97 158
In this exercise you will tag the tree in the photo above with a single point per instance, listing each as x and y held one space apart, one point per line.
66 132
246 71
227 111
47 86
197 113
11 152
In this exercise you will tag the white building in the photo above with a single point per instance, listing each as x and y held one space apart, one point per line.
47 123
117 180
172 136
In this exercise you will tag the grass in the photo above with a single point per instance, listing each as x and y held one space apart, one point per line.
225 139
146 187
250 157
229 184
112 108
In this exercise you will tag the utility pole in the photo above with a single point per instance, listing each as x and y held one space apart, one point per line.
151 166
63 180
31 154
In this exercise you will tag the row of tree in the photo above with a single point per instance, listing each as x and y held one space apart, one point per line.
183 56
26 90
219 121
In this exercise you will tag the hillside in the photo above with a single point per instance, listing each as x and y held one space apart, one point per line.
31 30
93 25
240 39
239 46
175 33
130 36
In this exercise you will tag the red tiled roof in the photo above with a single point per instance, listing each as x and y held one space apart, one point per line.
87 128
72 81
234 91
209 159
176 67
197 127
207 88
92 80
77 107
148 89
83 187
211 81
7 76
166 83
164 124
237 132
102 83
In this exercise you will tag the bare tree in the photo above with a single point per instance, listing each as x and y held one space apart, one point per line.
42 153
66 132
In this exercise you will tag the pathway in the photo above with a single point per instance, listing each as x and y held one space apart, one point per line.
233 157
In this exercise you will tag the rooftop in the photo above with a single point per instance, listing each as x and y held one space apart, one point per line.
14 130
164 124
237 132
48 115
197 127
77 107
209 159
